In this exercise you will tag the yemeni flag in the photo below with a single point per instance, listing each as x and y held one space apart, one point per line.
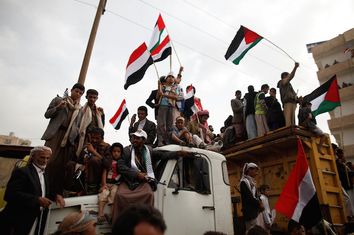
160 43
244 40
189 106
120 115
139 62
298 200
325 98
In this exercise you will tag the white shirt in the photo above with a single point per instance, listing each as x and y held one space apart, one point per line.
141 124
40 173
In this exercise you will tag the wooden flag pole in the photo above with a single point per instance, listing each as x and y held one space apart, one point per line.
279 48
87 57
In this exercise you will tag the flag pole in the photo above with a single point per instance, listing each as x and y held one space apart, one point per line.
170 63
279 48
174 49
157 73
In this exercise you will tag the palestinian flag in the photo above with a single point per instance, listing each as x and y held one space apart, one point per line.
139 62
298 200
244 40
325 98
160 44
120 115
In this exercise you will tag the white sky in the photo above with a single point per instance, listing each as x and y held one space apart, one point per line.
42 44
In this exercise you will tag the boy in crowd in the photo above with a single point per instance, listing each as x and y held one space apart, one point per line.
180 134
109 185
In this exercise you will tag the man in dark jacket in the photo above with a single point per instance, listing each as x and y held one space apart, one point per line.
28 196
145 124
275 115
251 127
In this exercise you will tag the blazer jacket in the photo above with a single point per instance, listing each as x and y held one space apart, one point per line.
21 195
149 128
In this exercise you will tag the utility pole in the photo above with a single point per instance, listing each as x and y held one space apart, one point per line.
87 57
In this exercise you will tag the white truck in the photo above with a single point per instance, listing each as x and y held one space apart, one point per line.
193 195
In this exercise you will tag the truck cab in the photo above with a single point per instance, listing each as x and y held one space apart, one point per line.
193 194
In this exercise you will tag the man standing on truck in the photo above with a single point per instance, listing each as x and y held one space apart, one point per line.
288 95
143 123
61 133
28 196
91 116
237 119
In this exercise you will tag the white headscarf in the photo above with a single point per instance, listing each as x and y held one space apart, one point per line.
250 181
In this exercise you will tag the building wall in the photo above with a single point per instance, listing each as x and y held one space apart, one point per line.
11 139
331 59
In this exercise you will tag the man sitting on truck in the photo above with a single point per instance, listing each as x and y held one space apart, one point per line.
307 120
138 181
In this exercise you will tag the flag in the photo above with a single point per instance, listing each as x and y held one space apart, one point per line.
244 40
139 62
160 44
325 98
298 200
120 115
189 109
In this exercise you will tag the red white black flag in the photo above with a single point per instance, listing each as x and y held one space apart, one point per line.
119 116
298 200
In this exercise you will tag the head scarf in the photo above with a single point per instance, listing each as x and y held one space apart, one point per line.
75 222
249 180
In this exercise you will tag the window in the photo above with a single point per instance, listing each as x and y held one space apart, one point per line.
191 174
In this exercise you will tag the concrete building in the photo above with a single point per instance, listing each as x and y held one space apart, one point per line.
336 57
11 139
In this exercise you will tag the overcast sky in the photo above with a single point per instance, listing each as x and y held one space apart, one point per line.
42 44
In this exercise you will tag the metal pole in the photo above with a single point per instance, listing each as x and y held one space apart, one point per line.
87 57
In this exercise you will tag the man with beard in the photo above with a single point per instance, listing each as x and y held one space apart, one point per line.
28 196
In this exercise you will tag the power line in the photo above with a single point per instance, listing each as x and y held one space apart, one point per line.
182 21
184 45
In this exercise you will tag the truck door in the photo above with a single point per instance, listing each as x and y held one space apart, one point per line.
188 201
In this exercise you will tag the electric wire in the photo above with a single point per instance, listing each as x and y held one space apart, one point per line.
188 47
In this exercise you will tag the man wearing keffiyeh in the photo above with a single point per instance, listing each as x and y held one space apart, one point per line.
250 202
136 168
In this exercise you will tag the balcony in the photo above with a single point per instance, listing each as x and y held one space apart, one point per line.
340 123
346 93
332 45
339 68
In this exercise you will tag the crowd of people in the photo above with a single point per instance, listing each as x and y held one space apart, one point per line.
258 216
77 161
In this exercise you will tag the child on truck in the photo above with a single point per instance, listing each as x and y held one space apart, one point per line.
265 218
110 180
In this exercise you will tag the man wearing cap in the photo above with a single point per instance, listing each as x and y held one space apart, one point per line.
136 169
91 116
143 123
29 196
